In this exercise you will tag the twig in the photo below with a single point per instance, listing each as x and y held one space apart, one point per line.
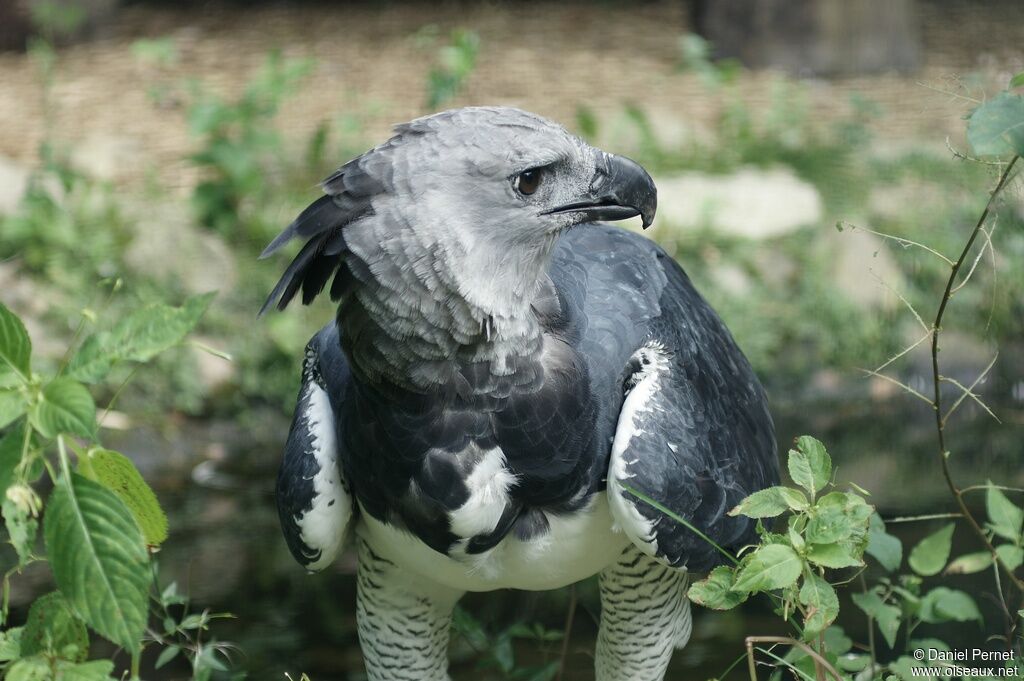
921 518
937 379
968 391
787 640
903 352
569 616
892 380
900 240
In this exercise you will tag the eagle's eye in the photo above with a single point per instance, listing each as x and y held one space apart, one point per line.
528 181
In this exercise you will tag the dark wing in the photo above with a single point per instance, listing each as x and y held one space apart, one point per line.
694 433
349 193
313 499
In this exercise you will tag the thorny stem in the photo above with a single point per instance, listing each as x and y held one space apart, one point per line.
940 425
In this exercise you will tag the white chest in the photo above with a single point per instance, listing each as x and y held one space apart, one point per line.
576 546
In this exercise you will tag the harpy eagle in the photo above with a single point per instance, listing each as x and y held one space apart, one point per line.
503 370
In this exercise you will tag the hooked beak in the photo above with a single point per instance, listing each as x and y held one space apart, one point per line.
621 189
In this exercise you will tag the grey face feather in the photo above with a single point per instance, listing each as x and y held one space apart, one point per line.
440 243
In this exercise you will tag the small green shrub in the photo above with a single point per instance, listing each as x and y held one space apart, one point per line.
102 521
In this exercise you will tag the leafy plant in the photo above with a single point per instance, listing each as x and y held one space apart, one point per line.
455 62
238 145
101 522
496 650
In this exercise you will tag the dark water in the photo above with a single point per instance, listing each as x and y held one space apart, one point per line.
215 480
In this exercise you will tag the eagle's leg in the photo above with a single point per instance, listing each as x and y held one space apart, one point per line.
403 621
644 616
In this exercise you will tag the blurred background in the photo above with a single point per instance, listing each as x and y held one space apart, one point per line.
149 150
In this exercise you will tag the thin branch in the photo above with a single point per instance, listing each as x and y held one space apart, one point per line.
787 640
1001 488
569 615
905 302
974 396
900 240
903 352
898 383
940 425
974 265
969 391
950 93
922 518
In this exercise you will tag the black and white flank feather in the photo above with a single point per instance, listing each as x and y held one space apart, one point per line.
502 371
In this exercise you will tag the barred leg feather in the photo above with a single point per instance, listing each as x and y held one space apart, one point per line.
644 616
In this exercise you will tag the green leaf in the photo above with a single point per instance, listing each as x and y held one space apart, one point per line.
771 502
838 516
10 455
997 127
15 346
1017 80
948 605
52 628
882 546
809 464
774 566
12 405
836 641
96 670
1004 517
1012 555
10 644
99 559
715 591
65 407
166 655
822 605
22 528
969 563
832 555
886 616
117 473
138 337
35 668
931 553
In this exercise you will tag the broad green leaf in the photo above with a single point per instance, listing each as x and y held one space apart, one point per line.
882 546
903 668
839 555
12 405
15 346
1017 80
931 553
21 528
997 126
715 591
117 473
1004 517
809 464
10 644
836 641
36 668
138 337
853 663
821 603
774 566
886 616
942 604
771 502
10 455
969 563
1012 555
95 670
65 407
52 628
99 559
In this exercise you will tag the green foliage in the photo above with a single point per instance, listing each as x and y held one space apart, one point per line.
831 532
496 649
456 61
98 521
996 128
239 147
